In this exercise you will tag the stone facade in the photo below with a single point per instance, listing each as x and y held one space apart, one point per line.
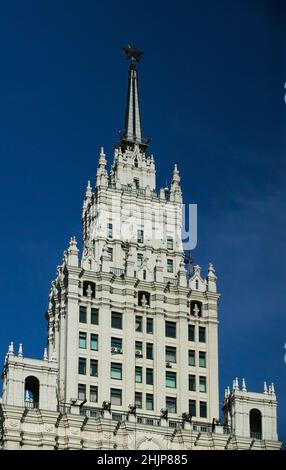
132 350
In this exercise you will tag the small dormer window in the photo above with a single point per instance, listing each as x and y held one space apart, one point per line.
136 162
170 243
170 265
197 285
136 183
109 230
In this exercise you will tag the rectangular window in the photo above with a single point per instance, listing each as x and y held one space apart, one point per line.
138 375
170 265
138 323
150 326
170 354
202 334
110 253
81 394
138 399
203 384
170 328
191 332
139 260
109 231
149 376
116 396
116 320
171 381
93 368
138 349
192 357
149 401
116 343
94 316
82 366
192 383
192 408
149 351
94 342
93 394
82 314
140 236
82 340
203 409
171 404
202 359
170 243
116 371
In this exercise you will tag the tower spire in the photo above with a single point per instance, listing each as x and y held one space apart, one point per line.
132 126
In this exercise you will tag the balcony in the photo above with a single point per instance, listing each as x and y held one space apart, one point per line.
31 404
117 271
170 280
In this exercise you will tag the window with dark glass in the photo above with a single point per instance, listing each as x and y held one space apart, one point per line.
171 381
82 366
149 326
170 265
202 359
94 342
138 323
192 408
110 253
109 231
81 394
203 384
170 354
149 401
140 236
203 409
138 400
116 371
139 260
116 320
116 343
170 243
93 392
149 351
202 334
82 340
192 357
116 396
170 328
94 316
82 314
192 383
191 332
149 376
138 375
93 368
171 404
138 348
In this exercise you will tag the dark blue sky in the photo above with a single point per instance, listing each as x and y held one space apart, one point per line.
212 99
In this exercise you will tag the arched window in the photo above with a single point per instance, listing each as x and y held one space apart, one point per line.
89 287
136 162
32 392
255 423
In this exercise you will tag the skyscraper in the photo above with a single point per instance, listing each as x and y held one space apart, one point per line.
132 349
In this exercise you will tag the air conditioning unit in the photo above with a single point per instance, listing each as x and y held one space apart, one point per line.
138 353
119 351
168 364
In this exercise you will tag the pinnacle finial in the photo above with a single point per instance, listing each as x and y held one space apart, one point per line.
265 390
20 351
273 389
11 349
45 357
244 389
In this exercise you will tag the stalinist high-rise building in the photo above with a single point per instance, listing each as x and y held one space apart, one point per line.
132 350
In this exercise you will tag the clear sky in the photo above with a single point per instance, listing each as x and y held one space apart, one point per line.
212 99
